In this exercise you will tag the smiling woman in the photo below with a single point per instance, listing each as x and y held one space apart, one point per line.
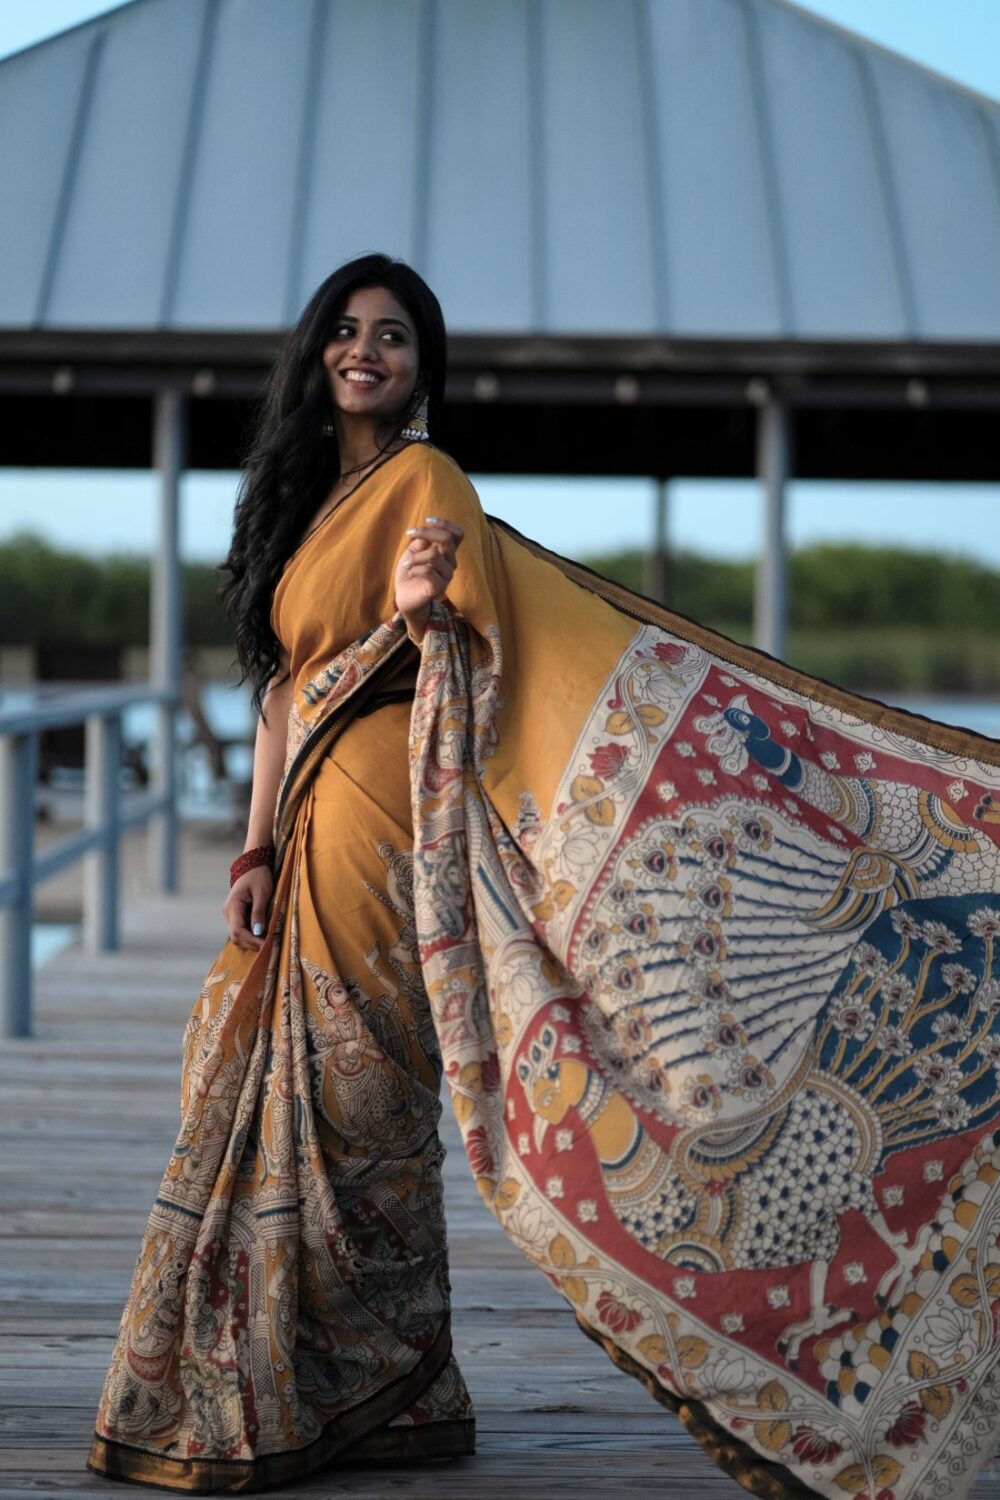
705 948
291 1301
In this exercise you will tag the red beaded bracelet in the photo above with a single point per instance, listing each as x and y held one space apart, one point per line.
249 860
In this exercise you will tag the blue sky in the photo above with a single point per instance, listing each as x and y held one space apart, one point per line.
103 511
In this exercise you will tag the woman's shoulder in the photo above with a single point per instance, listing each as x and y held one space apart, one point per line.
424 457
432 468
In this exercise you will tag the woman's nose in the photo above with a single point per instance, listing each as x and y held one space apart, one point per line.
364 344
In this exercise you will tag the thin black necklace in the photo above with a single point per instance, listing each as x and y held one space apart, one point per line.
359 467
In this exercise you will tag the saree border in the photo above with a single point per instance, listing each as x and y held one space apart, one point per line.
953 739
771 1481
194 1476
321 736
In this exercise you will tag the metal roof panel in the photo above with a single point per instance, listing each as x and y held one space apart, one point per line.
719 259
481 231
947 197
363 185
233 262
595 236
40 93
839 248
113 246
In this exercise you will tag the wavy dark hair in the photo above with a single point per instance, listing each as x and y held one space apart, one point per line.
290 467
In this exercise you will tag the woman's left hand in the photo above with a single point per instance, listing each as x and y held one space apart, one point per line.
425 570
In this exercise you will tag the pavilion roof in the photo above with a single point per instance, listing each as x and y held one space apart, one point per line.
690 169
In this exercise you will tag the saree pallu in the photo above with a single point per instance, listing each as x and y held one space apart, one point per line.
710 952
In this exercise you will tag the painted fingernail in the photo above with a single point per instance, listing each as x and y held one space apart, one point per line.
258 929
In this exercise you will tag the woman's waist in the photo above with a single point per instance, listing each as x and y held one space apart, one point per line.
371 754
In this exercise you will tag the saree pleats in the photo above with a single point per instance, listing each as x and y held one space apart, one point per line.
291 1296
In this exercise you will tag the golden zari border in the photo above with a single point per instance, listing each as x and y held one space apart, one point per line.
354 1434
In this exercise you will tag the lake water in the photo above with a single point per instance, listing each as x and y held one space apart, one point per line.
980 714
228 711
48 938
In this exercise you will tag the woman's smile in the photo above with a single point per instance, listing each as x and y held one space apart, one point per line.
362 377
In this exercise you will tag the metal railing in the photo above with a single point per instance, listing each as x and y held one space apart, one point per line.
106 816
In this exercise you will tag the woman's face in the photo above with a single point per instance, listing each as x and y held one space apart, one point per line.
372 357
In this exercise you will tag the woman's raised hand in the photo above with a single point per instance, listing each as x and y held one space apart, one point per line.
425 570
246 907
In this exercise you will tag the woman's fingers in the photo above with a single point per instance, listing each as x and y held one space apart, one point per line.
445 538
418 552
428 566
258 916
436 529
440 562
429 562
239 932
245 910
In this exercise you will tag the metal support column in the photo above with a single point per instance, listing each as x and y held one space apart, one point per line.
774 467
656 584
18 769
101 809
169 444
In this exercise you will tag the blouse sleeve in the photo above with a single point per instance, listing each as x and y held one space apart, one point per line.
439 488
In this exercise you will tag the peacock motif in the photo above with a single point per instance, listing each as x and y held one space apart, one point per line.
790 1036
904 1051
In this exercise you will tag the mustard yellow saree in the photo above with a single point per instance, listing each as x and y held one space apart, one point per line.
709 951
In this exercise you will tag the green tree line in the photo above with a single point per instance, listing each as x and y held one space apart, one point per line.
864 616
48 594
831 586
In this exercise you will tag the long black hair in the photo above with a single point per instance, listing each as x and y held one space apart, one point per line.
290 466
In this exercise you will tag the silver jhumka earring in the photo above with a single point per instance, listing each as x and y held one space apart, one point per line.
415 430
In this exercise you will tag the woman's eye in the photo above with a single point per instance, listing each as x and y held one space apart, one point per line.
345 328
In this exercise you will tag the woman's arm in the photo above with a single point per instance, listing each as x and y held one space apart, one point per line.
245 909
269 758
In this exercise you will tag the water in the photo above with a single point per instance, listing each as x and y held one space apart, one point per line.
50 938
228 711
980 714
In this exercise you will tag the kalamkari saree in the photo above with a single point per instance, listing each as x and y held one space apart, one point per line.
706 949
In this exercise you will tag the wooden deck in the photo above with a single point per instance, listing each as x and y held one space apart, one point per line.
88 1113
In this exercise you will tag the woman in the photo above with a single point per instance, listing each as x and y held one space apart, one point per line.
707 947
291 1295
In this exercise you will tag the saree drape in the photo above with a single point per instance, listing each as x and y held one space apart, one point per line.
289 1309
709 950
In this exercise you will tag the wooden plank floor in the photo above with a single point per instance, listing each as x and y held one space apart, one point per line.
88 1114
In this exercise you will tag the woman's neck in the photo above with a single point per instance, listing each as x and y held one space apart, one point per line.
355 441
